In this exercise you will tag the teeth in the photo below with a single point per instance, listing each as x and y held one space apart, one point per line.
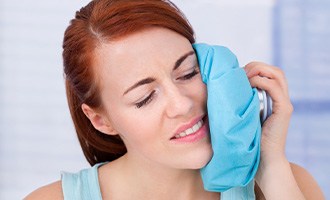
182 134
195 127
189 131
200 123
192 130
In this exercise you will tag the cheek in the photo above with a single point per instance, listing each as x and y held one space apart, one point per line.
204 92
138 128
200 91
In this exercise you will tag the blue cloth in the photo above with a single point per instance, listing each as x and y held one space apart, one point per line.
84 185
233 112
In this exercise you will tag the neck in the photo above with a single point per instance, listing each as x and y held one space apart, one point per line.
154 181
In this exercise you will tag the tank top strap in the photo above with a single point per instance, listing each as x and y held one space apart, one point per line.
83 185
240 193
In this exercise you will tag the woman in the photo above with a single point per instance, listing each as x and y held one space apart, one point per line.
133 86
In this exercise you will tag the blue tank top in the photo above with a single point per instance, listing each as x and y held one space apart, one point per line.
84 185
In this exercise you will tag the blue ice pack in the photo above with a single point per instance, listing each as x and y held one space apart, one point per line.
233 112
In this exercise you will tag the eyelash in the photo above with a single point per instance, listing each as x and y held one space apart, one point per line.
189 76
146 100
149 98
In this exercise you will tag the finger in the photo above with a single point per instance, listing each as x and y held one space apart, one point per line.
272 88
281 102
264 70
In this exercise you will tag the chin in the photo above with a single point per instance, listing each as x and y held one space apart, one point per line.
198 161
201 163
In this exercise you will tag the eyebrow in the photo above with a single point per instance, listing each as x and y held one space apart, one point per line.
150 80
181 59
142 82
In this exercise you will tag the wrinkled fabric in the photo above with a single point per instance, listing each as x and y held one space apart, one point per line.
233 113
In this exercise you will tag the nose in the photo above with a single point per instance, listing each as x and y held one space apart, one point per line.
179 102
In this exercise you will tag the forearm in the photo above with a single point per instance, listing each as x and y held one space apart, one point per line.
277 181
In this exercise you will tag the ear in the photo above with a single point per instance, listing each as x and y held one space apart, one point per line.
99 121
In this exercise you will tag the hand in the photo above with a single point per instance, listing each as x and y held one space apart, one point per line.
274 175
275 128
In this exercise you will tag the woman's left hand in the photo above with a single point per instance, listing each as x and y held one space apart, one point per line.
275 128
274 176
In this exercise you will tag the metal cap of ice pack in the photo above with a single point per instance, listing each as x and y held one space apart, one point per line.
266 105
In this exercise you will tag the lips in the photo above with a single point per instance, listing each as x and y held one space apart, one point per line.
189 129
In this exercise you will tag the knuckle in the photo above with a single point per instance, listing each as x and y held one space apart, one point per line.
289 108
280 73
255 79
270 83
251 65
261 64
254 64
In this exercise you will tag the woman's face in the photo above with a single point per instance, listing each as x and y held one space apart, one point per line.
153 96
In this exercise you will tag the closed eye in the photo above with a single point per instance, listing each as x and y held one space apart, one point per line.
189 76
146 100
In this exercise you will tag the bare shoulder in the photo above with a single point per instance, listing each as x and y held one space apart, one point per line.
52 191
306 183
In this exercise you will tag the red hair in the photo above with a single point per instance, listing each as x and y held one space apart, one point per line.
103 21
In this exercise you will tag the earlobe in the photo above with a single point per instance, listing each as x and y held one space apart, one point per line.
98 120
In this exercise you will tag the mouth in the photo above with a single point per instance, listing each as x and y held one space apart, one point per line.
189 132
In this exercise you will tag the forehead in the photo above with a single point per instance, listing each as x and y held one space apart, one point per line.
138 55
150 45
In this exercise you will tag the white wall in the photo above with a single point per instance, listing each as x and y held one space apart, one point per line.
245 27
36 134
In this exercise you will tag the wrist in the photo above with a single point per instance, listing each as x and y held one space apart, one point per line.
273 157
270 167
277 176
